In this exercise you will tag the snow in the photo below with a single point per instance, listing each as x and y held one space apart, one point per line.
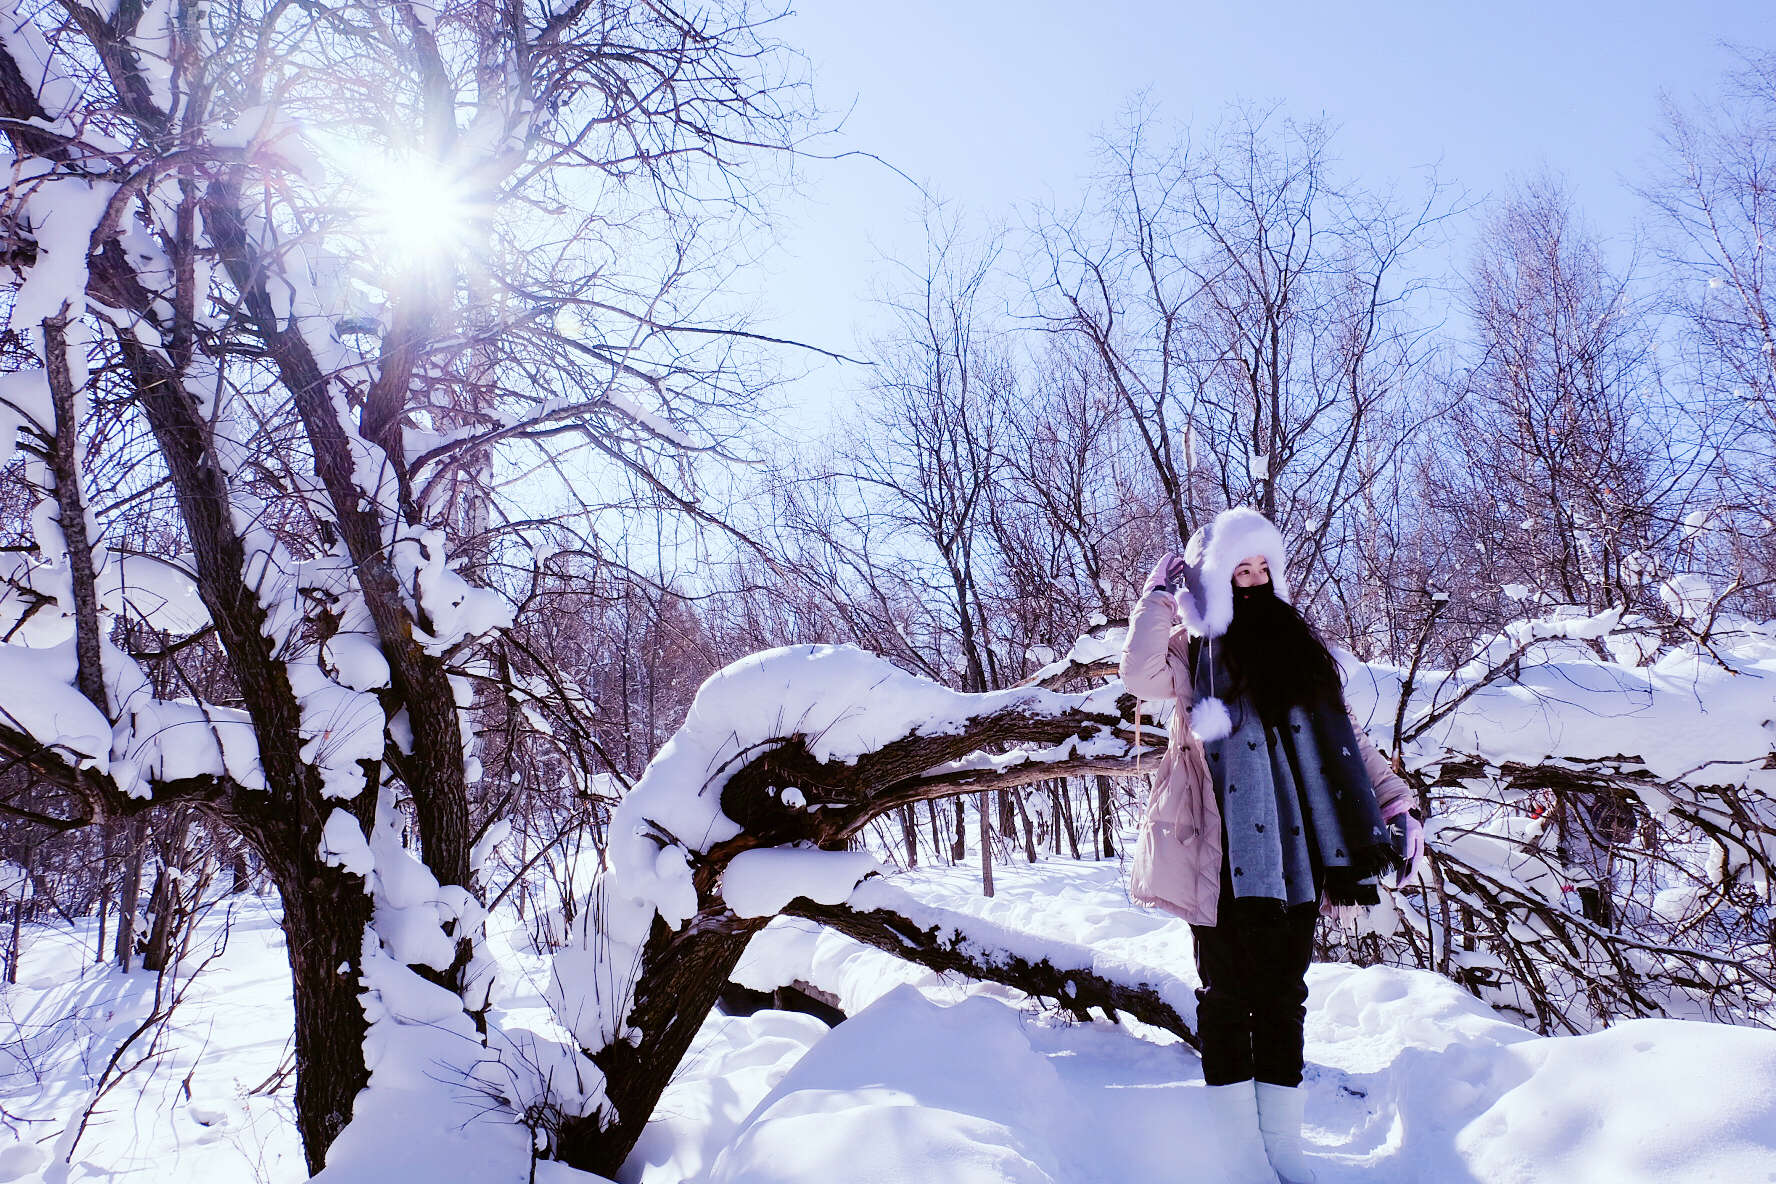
162 593
735 1061
24 402
56 93
1086 650
965 1099
760 882
340 727
193 1112
647 419
37 698
1451 1092
170 739
1639 1101
418 1120
1409 1077
1685 717
64 210
343 844
454 609
1687 596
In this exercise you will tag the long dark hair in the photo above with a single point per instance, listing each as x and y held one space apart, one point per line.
1274 658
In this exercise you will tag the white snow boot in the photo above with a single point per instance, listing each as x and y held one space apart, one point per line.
1279 1117
1235 1111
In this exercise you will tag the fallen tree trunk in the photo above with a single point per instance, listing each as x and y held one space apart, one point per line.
681 971
1072 989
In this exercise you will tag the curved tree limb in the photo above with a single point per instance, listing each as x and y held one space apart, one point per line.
1074 990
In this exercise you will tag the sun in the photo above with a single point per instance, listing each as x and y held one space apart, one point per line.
417 213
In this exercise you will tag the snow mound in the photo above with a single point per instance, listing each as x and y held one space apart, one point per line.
954 1094
1665 1100
735 1061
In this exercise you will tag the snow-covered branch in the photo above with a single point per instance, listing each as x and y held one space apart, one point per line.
783 758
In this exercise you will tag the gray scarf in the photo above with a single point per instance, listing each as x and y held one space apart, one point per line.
1291 798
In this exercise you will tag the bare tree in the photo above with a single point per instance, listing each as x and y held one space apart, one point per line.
1565 468
1077 515
925 454
1250 314
351 361
1711 196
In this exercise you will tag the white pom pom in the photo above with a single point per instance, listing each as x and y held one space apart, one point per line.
1209 720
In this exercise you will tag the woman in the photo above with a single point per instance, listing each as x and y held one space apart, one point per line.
1268 807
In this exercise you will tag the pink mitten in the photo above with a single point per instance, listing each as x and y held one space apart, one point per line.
1415 839
1165 573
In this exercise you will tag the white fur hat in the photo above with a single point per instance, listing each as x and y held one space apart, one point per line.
1206 599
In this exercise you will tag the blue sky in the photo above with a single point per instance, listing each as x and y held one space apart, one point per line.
994 104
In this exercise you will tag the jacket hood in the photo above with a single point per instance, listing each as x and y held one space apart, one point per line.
1210 557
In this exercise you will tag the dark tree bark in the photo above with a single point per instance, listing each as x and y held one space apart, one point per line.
1106 819
682 973
986 846
129 890
683 976
1075 991
160 913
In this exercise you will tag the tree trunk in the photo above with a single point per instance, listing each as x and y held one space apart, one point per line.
1106 819
1029 830
325 913
166 900
18 921
104 888
129 891
909 827
682 975
1064 806
161 909
959 845
986 846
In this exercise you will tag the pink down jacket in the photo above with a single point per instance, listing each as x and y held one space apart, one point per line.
1177 864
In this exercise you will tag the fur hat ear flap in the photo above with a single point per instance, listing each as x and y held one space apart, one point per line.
1209 720
1187 595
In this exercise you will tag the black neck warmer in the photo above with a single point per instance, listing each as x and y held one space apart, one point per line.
1274 658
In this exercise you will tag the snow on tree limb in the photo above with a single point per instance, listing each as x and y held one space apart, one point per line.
948 942
795 750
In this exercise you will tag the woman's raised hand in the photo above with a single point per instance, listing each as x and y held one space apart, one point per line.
1165 573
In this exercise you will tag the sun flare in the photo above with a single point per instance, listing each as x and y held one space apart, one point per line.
416 212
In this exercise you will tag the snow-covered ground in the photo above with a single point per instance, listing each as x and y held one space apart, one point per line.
196 1100
1409 1077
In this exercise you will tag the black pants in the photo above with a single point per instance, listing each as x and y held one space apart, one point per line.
1249 1012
